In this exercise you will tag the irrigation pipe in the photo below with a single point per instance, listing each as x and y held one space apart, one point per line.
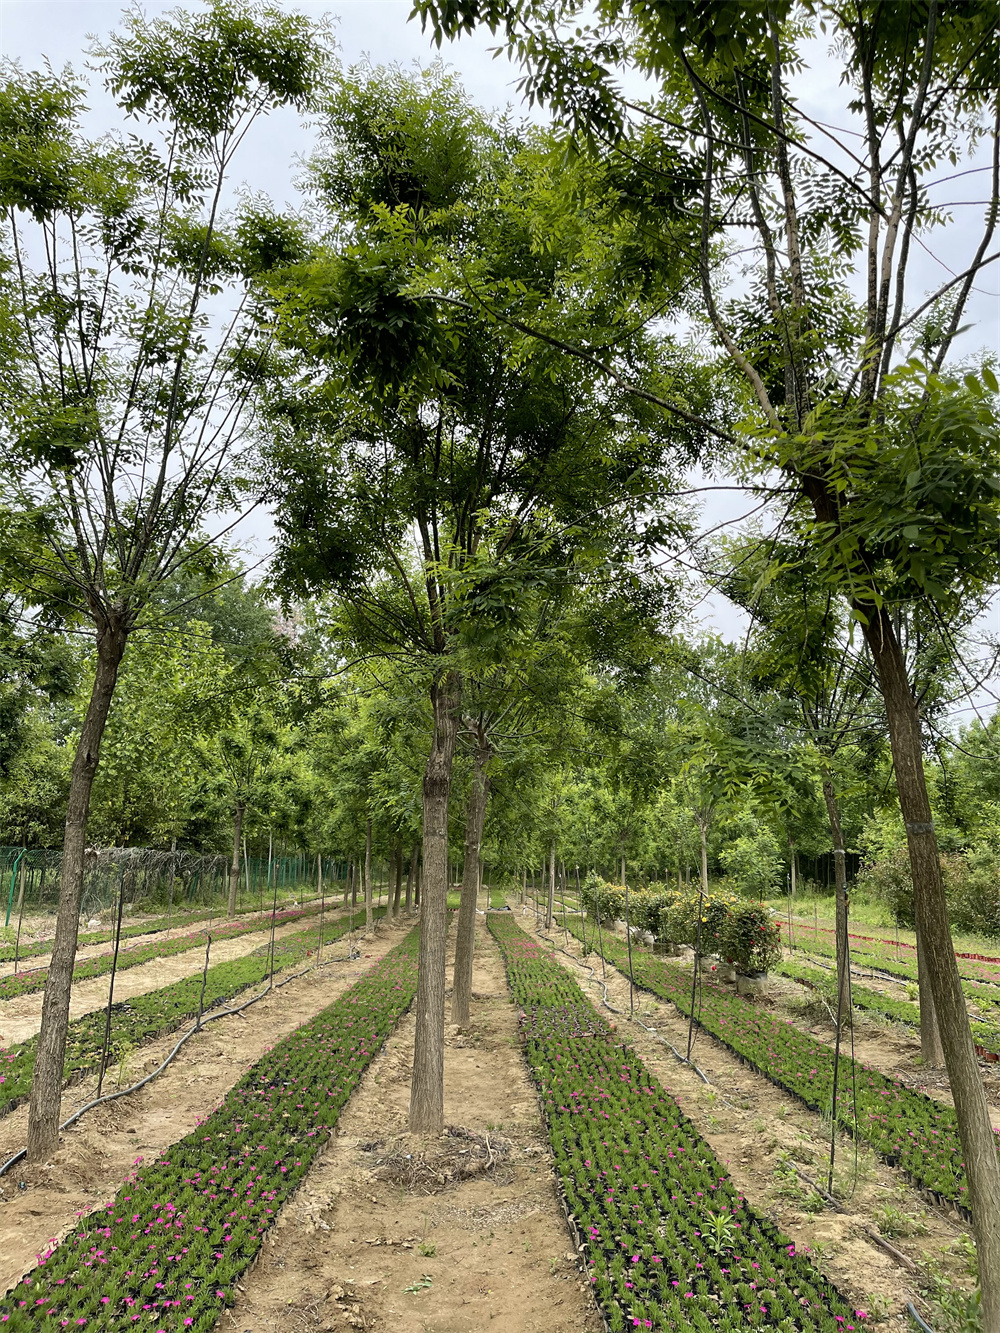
911 1310
652 1031
198 1027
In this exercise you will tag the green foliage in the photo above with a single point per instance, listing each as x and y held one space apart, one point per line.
750 938
755 863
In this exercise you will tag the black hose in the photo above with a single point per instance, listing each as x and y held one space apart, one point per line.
911 1310
210 1018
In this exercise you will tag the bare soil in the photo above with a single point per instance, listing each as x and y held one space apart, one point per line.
39 1203
894 1048
21 1018
776 1150
452 1235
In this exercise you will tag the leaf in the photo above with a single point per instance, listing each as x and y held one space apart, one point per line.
990 380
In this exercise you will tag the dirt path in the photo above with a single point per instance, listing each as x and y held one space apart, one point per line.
376 1240
133 941
764 1136
21 1018
894 1048
37 1203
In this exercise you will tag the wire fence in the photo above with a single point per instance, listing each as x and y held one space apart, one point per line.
151 879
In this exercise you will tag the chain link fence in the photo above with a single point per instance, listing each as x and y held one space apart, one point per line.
151 880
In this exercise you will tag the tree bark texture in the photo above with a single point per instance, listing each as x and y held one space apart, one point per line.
369 919
840 880
465 942
50 1054
234 868
931 1050
427 1087
979 1148
792 867
703 834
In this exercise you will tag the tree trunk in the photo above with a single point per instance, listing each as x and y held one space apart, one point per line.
411 876
791 867
550 902
623 872
840 891
50 1051
524 886
979 1148
703 834
234 869
397 891
418 883
466 939
931 1050
427 1087
369 918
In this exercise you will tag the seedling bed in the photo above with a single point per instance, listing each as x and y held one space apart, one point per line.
669 1242
167 1251
146 1017
33 979
905 1127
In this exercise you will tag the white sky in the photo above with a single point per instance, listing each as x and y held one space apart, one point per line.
57 30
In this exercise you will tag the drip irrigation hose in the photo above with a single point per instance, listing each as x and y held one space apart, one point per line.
911 1310
608 1005
198 1027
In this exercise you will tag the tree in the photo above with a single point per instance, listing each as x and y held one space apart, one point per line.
891 473
430 468
120 411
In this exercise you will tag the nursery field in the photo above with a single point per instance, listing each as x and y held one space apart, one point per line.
586 1180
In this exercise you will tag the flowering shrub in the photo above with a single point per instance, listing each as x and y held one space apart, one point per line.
145 1017
670 1243
167 1251
666 910
23 983
750 939
904 1126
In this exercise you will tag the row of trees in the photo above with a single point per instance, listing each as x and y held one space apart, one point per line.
464 378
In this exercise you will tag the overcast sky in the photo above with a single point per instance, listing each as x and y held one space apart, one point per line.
57 30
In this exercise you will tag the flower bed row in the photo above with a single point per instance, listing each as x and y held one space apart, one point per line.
985 1034
146 1017
902 1125
884 954
33 979
669 1241
167 1251
176 921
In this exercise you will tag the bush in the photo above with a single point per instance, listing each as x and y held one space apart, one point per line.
602 899
885 878
972 883
666 911
756 863
751 938
971 880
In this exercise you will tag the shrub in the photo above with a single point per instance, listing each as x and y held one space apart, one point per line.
603 899
972 883
756 863
885 878
751 938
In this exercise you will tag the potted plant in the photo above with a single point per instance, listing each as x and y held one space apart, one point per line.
750 943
